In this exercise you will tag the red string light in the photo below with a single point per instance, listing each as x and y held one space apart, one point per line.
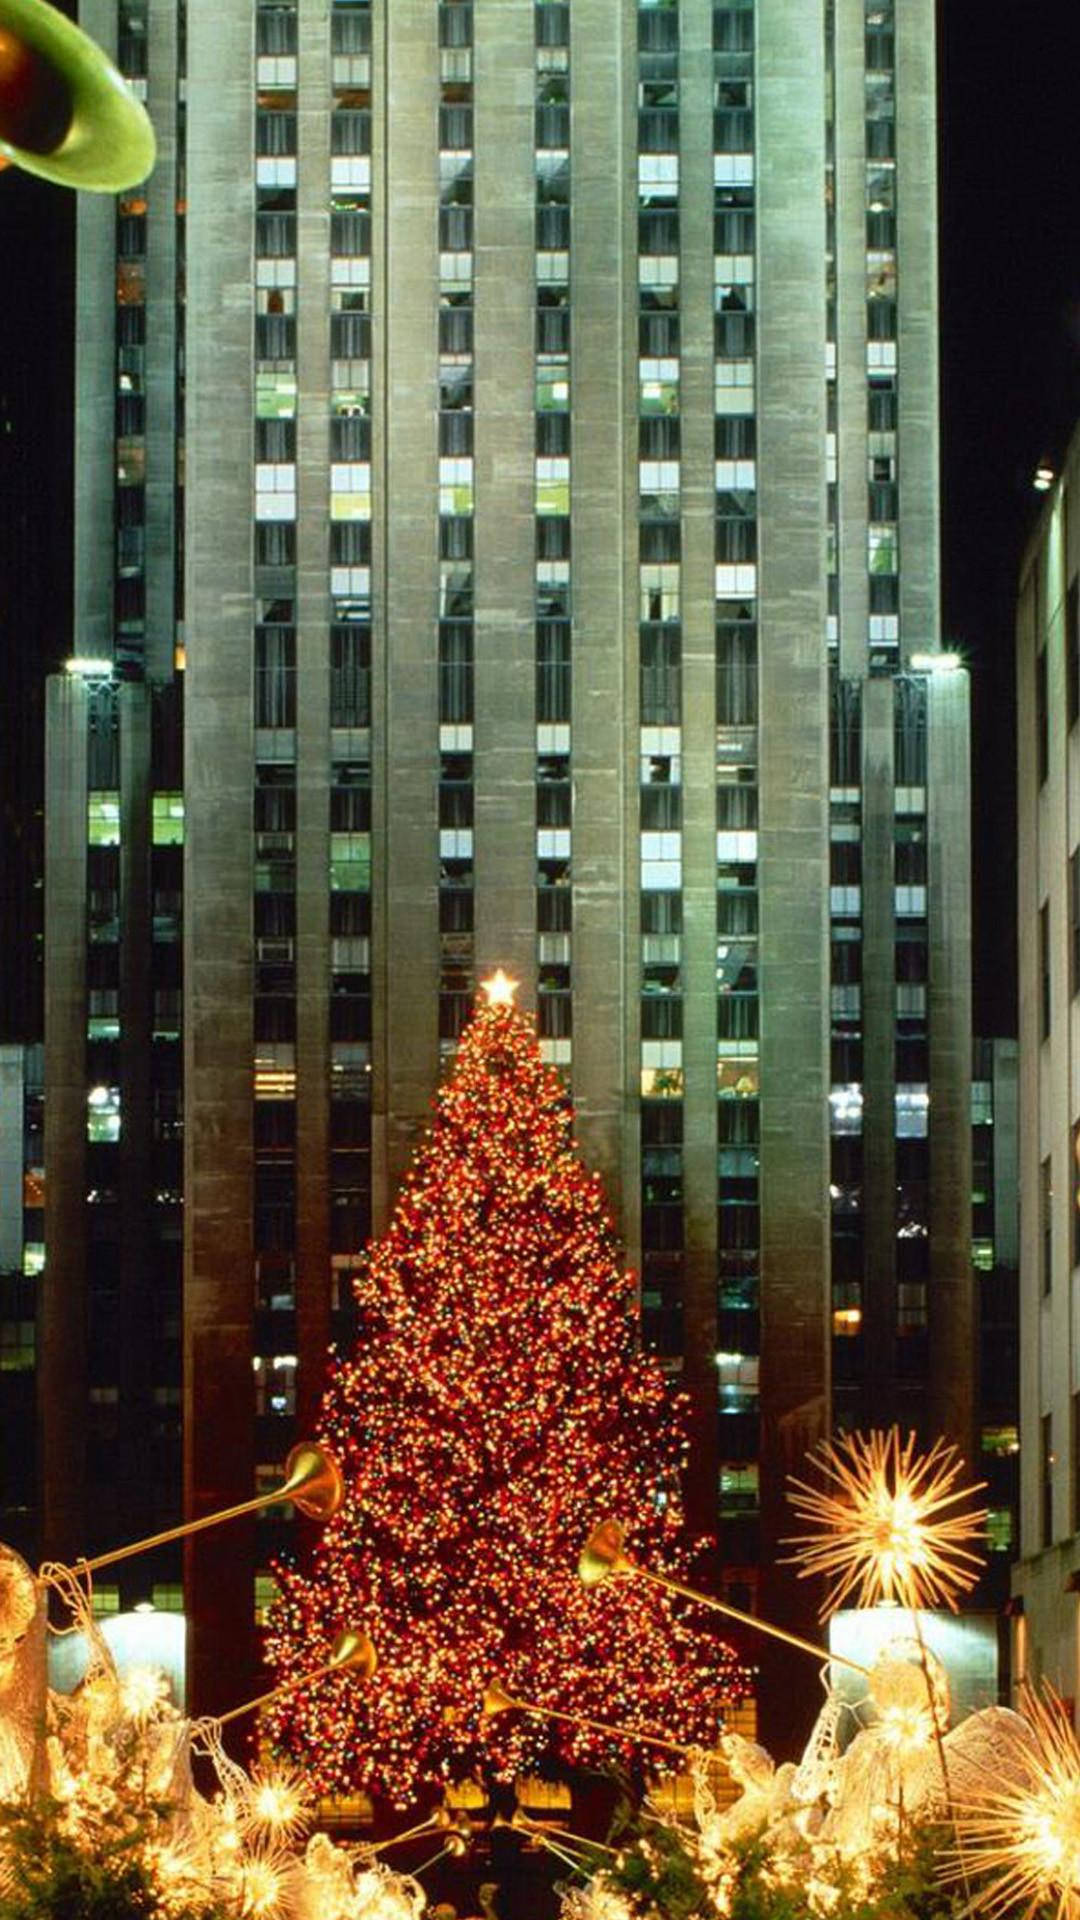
497 1402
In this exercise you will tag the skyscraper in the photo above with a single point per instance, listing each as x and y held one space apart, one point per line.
526 446
1047 1578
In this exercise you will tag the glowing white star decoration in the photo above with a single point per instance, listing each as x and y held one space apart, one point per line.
499 988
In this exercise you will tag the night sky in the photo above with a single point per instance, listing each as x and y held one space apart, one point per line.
1010 336
1010 285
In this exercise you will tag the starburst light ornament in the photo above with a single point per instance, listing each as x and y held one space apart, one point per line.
144 1694
888 1524
280 1803
265 1886
1019 1835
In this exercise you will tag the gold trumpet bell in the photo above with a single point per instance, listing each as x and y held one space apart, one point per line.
495 1700
602 1555
66 114
313 1479
353 1653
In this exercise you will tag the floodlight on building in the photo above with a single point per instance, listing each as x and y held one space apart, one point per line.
935 662
1044 477
85 666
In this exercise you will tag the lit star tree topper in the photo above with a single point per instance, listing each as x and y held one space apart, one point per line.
496 1400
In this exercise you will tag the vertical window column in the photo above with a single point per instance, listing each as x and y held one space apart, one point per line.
553 556
131 240
832 493
846 1031
883 559
456 524
736 772
350 1013
274 798
912 1025
105 1088
275 288
166 1092
660 691
350 851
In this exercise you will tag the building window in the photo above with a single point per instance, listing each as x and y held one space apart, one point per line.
168 819
738 1489
103 1115
999 1530
1044 971
1074 1239
1042 716
1073 651
1046 1236
275 676
1075 920
350 862
266 1592
103 819
16 1346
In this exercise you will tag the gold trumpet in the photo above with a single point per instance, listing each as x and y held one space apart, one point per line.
312 1482
440 1820
604 1556
351 1653
65 112
573 1849
523 1822
454 1847
497 1700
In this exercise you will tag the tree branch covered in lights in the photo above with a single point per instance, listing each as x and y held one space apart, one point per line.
109 1872
496 1401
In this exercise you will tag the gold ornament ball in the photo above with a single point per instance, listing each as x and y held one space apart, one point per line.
898 1682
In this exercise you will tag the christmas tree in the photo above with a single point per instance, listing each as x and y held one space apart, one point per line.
495 1407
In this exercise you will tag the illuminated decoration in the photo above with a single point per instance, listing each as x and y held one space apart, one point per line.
843 1830
281 1803
264 1886
144 1693
350 1653
312 1482
499 988
497 1700
104 1787
603 1557
18 1603
886 1525
831 1829
1019 1827
22 1677
910 1713
496 1398
65 112
597 1900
